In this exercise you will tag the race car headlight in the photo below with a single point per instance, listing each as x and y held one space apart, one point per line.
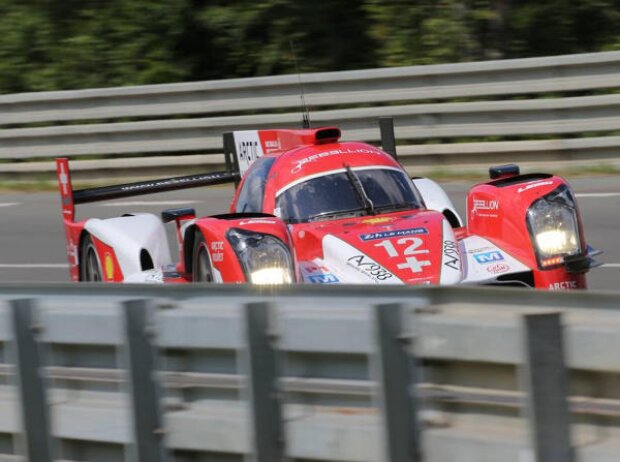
552 222
265 259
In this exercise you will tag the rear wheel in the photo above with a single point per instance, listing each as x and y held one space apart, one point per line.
90 267
201 263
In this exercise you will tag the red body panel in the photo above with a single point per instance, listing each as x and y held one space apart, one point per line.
223 257
499 214
408 244
73 230
109 263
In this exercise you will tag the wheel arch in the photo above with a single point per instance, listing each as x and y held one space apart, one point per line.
84 234
188 248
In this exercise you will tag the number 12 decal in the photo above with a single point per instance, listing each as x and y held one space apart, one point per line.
413 248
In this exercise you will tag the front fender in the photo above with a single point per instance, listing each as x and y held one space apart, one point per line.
223 256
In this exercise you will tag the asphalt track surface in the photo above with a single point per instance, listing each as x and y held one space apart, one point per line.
32 247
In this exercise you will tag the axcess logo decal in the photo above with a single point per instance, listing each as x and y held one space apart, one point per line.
395 233
323 279
488 257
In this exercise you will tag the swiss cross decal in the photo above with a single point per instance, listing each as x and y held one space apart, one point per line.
408 247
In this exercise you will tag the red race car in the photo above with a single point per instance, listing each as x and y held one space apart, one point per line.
311 208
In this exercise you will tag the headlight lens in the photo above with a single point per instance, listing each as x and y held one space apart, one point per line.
264 258
553 225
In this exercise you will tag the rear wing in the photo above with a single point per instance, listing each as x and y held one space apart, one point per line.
71 198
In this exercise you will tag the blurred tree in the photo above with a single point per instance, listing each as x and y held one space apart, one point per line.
562 26
67 44
252 37
58 44
426 31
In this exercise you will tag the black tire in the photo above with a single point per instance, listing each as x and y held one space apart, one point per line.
90 265
202 270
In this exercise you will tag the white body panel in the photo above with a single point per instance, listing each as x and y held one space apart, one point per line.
128 236
248 148
451 268
435 197
485 262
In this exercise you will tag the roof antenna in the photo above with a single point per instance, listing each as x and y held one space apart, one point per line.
305 114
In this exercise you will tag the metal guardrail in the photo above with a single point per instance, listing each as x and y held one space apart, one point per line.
234 104
312 373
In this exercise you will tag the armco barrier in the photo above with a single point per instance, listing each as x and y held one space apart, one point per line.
426 102
306 373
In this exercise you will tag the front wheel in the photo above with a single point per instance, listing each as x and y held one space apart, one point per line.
202 270
90 267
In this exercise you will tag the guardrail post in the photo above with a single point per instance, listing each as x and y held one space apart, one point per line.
395 371
34 406
140 354
545 382
263 392
388 139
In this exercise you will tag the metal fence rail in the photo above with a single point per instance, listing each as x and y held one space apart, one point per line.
313 373
259 102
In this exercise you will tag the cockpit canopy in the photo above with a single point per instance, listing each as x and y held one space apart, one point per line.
335 195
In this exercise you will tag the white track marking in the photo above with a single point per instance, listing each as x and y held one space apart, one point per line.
146 203
8 204
597 194
33 265
611 265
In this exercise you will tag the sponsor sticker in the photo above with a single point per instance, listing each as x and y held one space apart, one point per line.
425 280
394 233
154 275
488 257
323 279
313 268
563 285
72 252
452 257
498 268
335 152
272 145
483 204
534 185
377 220
486 207
479 249
217 248
367 267
258 221
108 264
248 148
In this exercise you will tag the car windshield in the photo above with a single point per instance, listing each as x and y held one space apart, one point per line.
335 196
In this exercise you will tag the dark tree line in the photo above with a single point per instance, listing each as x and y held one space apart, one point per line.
71 44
